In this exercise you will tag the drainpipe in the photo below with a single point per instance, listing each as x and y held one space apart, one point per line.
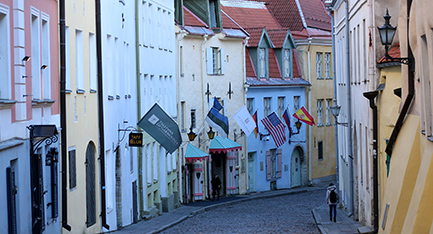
63 124
309 105
371 96
182 162
335 98
349 113
101 113
411 91
203 68
138 74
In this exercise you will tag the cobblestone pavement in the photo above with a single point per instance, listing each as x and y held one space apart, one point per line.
283 214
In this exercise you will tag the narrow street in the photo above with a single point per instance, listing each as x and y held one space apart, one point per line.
282 214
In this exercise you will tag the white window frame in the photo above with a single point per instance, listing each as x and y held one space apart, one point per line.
79 61
319 65
45 54
328 65
281 102
215 61
296 103
319 112
92 63
328 112
5 54
287 63
262 63
36 53
267 106
250 105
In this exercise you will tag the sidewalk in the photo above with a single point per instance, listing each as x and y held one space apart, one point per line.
344 224
166 220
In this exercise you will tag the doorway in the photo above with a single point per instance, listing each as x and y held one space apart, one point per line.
295 169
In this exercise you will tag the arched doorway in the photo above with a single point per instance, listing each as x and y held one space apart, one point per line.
90 185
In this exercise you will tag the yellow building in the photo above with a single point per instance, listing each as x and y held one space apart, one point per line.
83 177
406 205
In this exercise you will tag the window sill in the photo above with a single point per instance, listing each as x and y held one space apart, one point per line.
7 104
320 125
320 78
328 78
430 138
68 91
36 103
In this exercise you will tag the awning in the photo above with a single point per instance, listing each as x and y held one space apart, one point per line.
222 145
193 154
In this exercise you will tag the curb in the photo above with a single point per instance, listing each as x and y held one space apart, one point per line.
211 207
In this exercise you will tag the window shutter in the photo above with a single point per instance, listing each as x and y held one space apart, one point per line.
222 56
209 61
11 198
268 165
280 162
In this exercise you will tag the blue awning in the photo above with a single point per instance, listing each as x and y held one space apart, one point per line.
219 144
193 154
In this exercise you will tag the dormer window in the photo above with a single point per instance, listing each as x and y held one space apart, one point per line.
262 62
212 14
287 63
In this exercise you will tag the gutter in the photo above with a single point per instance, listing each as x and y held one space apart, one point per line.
411 91
63 124
335 99
138 74
371 96
101 114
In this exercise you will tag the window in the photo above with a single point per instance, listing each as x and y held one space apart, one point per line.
328 111
192 118
319 112
296 103
319 65
287 64
182 116
67 61
274 163
45 50
5 58
79 71
215 62
92 62
72 169
320 150
266 106
213 14
36 52
262 62
281 107
328 65
250 105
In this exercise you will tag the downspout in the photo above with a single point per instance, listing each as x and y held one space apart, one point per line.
182 162
411 91
63 124
245 43
335 98
371 96
138 74
101 113
349 112
309 105
203 73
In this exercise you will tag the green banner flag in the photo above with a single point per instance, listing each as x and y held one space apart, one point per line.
162 128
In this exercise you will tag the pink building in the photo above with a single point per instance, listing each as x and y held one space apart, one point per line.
29 114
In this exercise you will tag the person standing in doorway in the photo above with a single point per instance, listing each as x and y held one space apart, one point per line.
216 186
332 200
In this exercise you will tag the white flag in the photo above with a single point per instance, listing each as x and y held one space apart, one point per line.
245 121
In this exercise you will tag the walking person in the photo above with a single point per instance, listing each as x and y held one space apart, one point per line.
332 200
216 186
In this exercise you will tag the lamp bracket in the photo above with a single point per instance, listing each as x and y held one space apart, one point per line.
263 135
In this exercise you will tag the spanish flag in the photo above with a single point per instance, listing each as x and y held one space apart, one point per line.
303 115
256 130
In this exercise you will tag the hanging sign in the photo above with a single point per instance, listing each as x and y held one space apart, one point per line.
136 139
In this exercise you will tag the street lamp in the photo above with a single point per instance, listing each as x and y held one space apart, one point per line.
298 125
387 32
191 134
335 109
211 134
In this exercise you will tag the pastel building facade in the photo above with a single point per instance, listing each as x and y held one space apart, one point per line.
29 113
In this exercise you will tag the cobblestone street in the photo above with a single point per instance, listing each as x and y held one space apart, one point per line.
282 214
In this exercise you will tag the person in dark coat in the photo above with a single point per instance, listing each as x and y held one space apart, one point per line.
216 186
332 200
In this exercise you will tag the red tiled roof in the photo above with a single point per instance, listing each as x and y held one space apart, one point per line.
243 16
315 14
250 71
286 13
277 36
255 35
227 22
190 19
274 68
394 52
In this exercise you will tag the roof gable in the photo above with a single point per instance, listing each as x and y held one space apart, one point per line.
265 41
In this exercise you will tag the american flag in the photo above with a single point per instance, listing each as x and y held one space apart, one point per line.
276 128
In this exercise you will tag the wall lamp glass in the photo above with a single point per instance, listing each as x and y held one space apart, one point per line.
211 134
298 125
335 109
191 134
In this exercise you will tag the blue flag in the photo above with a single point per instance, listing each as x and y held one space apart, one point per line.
216 104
